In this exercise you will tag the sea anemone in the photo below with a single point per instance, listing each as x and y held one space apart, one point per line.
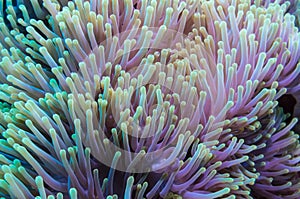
149 99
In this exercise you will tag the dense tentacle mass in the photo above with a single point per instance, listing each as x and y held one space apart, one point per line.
149 99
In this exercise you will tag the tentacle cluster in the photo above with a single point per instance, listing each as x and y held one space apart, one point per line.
148 99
